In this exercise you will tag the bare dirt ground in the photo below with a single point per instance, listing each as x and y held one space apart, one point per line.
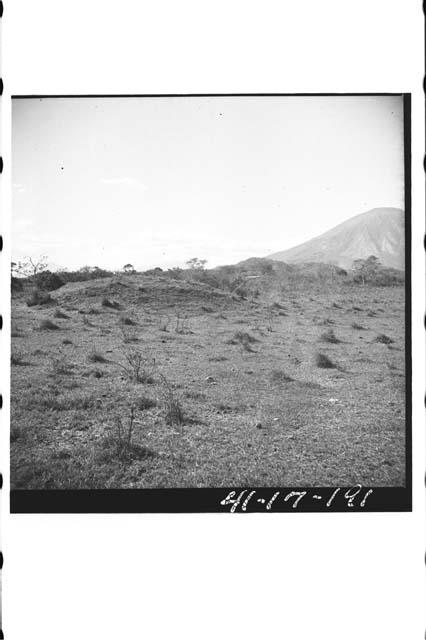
235 397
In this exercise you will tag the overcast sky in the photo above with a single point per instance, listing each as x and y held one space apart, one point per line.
156 181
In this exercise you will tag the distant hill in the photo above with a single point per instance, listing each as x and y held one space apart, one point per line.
378 232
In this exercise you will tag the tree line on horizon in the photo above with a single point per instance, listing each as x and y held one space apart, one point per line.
35 272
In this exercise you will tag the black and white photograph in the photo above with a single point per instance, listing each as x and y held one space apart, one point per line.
212 329
209 291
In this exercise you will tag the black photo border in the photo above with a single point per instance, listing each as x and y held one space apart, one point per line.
249 499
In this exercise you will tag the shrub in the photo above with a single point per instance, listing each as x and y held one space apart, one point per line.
66 341
59 314
127 321
137 367
324 362
382 338
329 336
38 298
48 325
120 445
48 281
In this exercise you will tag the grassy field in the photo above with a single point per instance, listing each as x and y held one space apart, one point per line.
143 381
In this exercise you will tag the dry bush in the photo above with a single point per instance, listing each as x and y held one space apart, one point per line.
174 414
119 445
137 367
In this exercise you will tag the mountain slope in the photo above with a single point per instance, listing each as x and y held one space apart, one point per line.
378 232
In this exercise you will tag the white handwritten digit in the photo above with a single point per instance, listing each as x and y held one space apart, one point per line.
365 497
350 496
332 497
271 501
245 503
301 495
229 500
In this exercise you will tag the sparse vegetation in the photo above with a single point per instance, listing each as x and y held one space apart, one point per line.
64 432
173 411
137 367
